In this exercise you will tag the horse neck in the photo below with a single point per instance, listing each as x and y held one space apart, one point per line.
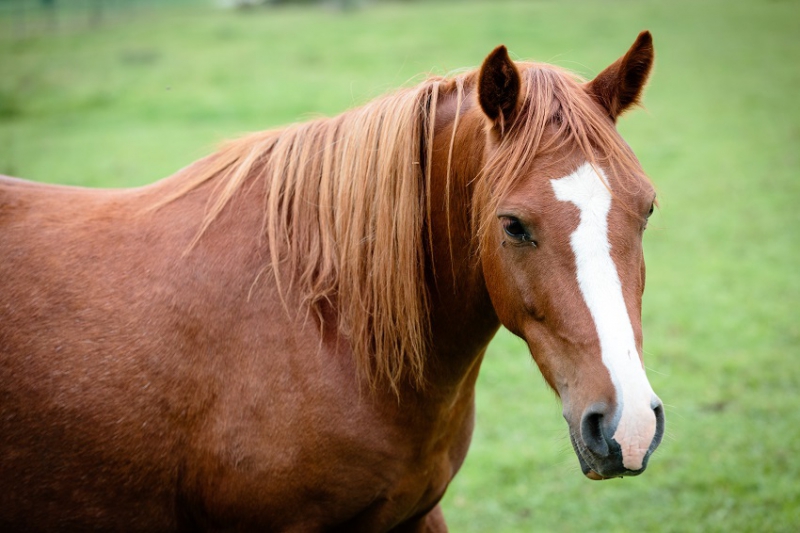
463 320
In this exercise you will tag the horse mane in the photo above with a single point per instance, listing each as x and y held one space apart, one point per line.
347 203
345 210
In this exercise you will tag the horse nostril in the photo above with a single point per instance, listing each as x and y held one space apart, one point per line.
659 412
592 432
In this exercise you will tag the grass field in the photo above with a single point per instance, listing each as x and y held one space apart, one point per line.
137 97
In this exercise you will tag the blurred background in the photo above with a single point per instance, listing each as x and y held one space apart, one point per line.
119 93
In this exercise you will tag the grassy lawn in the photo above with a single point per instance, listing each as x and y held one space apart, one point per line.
142 94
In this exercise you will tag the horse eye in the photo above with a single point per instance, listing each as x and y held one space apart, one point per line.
515 229
652 207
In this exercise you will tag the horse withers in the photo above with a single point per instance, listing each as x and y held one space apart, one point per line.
285 335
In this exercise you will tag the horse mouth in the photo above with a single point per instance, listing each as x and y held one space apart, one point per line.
587 470
590 471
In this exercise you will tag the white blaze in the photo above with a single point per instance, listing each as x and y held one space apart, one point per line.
602 291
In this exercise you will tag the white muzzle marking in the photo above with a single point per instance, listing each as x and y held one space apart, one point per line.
602 291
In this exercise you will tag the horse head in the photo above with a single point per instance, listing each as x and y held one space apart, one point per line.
563 204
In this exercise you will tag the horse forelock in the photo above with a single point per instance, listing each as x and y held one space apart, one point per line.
556 116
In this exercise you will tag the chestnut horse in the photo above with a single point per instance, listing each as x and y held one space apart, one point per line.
285 335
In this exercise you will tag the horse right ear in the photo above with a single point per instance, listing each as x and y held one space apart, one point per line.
499 87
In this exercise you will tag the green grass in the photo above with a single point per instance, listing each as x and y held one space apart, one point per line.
130 101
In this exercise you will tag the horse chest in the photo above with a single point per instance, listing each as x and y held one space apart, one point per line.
338 464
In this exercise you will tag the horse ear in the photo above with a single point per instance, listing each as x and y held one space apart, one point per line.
499 86
620 85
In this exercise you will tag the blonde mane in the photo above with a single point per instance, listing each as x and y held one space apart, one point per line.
347 203
344 215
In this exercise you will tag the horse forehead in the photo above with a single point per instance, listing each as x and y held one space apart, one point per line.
591 186
588 184
588 189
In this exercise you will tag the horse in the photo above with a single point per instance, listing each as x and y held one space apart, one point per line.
286 334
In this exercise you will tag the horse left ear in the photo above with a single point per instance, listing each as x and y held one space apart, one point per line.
499 87
619 86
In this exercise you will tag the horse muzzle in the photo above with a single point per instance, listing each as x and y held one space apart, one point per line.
610 443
